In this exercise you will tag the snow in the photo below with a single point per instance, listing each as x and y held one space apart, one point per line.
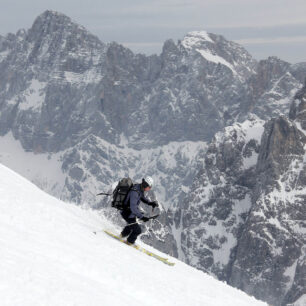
301 301
290 272
253 129
50 256
216 59
3 55
250 161
34 96
88 77
249 129
287 190
195 38
299 127
42 169
222 254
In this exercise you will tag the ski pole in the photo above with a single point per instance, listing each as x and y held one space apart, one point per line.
153 217
102 193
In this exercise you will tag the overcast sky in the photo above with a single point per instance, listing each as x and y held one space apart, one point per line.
263 27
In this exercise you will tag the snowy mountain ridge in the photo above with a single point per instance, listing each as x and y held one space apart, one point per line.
60 87
50 256
208 45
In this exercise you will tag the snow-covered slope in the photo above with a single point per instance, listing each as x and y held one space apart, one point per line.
44 170
50 256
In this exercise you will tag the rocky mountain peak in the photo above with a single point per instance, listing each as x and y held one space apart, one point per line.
272 66
1 43
51 21
215 49
54 33
169 48
48 23
280 142
196 39
267 71
267 85
298 108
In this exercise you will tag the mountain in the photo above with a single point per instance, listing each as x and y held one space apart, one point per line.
77 114
50 256
244 219
64 93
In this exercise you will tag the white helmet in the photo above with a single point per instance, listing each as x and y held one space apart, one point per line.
149 181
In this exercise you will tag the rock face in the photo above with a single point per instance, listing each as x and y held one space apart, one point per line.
269 254
273 88
62 89
244 220
215 211
59 84
298 108
101 113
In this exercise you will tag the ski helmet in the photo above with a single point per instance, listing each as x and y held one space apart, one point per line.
149 181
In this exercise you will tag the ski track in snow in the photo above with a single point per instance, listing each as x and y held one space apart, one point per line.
50 256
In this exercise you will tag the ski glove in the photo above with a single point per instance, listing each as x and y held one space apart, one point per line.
145 219
153 204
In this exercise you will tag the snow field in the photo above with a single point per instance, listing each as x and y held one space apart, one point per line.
50 256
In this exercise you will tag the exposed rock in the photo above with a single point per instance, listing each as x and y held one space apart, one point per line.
271 243
244 220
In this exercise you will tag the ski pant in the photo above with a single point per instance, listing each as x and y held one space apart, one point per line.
131 231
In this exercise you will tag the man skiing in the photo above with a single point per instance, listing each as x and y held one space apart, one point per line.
131 209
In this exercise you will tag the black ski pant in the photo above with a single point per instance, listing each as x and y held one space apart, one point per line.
132 230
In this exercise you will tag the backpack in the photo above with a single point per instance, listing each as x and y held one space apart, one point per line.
120 193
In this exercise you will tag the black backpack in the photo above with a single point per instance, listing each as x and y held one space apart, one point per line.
120 193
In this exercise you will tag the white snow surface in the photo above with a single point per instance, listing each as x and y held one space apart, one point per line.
3 55
251 129
42 169
195 38
33 96
301 301
50 256
216 59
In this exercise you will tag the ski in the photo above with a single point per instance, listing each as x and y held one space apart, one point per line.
139 248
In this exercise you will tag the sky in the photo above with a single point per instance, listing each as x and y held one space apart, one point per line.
264 27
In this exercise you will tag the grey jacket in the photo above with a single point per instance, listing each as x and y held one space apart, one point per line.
133 200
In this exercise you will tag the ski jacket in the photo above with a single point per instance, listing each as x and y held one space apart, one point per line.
133 199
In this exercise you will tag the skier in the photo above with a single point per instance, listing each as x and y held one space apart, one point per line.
131 209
